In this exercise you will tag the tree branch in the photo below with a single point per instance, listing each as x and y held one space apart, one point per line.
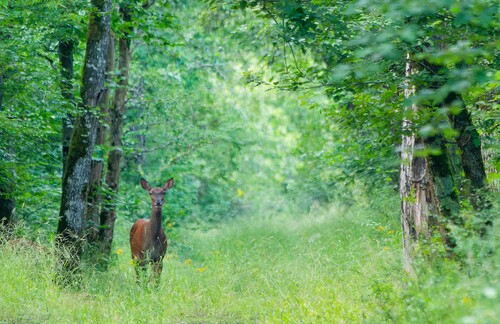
167 144
51 61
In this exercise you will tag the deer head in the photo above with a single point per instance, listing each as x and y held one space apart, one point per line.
157 194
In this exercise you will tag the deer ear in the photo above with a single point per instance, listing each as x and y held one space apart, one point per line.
145 185
169 184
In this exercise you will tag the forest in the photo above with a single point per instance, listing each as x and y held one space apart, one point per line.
308 161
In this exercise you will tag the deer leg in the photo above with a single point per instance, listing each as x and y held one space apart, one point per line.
140 268
157 268
137 274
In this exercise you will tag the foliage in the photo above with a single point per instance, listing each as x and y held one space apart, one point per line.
310 172
191 117
355 53
333 264
31 105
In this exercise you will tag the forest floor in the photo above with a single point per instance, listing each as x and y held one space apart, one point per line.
335 265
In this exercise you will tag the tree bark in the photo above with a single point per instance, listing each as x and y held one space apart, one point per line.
94 199
414 213
448 206
419 201
469 143
471 159
7 180
108 212
70 238
65 52
427 189
7 200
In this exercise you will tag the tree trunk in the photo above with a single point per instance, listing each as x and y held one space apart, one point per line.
427 189
7 201
444 186
470 144
7 205
419 202
414 213
94 199
468 141
7 179
65 52
70 239
108 212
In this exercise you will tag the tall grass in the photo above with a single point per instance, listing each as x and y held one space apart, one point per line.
329 266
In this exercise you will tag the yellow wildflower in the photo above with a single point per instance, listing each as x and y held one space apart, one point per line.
188 261
119 251
200 270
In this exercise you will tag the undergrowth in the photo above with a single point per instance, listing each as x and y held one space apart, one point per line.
332 265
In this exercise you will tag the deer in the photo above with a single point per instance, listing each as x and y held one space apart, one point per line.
148 242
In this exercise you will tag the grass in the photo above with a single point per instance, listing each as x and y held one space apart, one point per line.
340 266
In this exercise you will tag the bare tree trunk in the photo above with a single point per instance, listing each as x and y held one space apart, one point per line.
70 239
94 199
108 212
411 213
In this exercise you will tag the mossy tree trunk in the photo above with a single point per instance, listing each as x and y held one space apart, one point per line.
443 179
469 143
427 191
430 212
70 238
108 212
94 198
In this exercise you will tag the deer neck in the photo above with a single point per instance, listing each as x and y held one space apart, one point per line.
155 221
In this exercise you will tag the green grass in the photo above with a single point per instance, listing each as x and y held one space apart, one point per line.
331 266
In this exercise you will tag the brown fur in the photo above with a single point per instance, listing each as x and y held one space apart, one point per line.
148 241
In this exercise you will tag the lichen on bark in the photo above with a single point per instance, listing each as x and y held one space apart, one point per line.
77 173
